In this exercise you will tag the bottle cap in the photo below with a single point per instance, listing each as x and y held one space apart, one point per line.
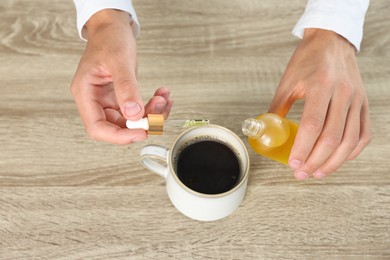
153 123
156 124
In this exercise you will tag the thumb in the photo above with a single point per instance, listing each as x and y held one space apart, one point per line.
129 98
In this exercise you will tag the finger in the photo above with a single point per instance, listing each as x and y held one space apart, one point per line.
97 127
165 93
123 70
129 99
108 132
115 117
156 105
347 145
105 95
282 101
160 103
331 134
312 121
365 131
168 108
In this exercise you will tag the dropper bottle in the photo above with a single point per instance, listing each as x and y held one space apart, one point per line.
271 136
154 123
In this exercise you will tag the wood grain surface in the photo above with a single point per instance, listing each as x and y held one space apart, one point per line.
63 196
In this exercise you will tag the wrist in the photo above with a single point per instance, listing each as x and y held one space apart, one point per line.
327 37
105 18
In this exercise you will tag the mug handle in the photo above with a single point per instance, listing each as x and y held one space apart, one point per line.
151 154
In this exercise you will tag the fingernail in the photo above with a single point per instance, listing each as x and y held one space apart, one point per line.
295 164
301 175
132 108
160 107
319 175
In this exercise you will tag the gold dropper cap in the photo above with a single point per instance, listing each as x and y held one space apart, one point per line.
156 124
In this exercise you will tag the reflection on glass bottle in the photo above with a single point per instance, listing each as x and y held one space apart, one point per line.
271 136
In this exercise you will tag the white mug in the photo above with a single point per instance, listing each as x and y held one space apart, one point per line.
194 204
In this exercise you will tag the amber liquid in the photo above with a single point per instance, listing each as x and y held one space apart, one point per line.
280 153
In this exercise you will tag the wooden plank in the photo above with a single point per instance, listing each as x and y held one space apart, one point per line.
63 196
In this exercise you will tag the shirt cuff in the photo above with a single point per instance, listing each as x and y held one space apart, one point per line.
86 8
344 17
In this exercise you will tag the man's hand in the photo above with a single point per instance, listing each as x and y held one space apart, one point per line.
105 86
335 124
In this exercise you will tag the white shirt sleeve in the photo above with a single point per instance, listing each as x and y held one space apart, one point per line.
86 8
345 17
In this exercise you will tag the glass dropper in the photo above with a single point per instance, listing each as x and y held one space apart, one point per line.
154 123
186 122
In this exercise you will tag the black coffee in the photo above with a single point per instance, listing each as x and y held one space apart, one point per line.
208 166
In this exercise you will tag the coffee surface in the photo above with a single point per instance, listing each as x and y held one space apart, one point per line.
208 167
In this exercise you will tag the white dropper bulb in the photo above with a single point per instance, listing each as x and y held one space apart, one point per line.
140 124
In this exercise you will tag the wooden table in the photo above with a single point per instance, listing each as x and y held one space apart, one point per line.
63 196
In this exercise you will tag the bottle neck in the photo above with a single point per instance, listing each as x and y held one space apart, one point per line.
253 128
268 129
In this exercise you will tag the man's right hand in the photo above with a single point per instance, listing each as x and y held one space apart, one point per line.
105 86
